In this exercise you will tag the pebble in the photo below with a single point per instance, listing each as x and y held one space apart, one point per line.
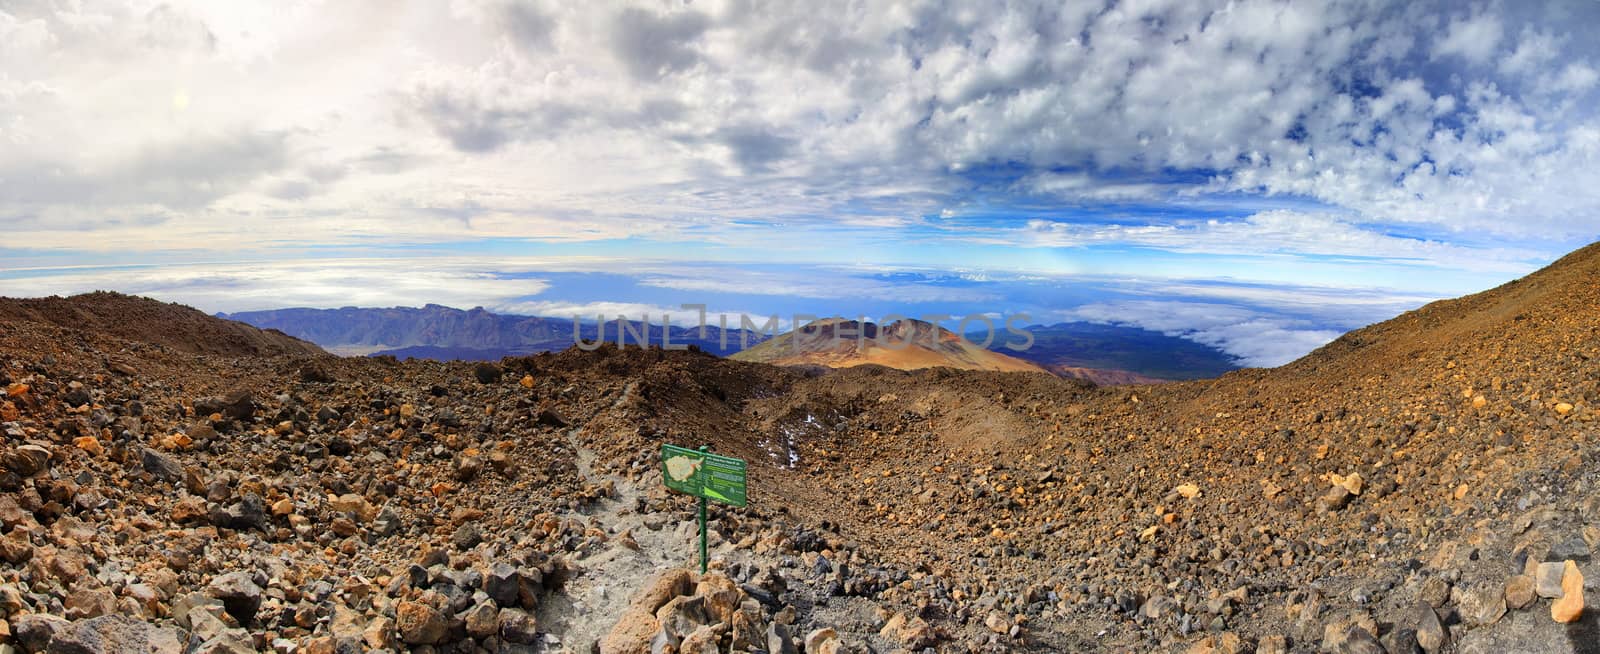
1547 579
1431 635
1435 591
1569 607
1520 592
1482 604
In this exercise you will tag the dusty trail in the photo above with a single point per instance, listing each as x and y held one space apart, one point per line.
611 573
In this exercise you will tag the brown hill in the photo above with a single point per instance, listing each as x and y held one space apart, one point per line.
1102 377
904 345
1525 346
151 321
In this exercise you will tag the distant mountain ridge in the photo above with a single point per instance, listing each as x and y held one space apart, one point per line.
1140 355
1103 354
439 332
350 330
905 344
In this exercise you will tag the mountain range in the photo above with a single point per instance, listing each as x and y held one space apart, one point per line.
444 333
1428 479
1104 354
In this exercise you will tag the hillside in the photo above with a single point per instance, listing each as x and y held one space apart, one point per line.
1101 376
150 321
1430 483
904 344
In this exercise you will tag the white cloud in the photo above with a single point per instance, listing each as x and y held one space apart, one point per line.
1533 50
812 283
1346 307
1268 233
1257 338
198 125
1474 38
677 315
1577 77
1082 186
230 287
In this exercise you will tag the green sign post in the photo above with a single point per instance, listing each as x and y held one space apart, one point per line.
706 476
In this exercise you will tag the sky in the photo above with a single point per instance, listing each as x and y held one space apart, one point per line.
1258 176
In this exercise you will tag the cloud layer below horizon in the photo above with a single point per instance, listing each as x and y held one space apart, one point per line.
1399 150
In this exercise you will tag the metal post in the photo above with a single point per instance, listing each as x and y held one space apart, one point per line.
703 560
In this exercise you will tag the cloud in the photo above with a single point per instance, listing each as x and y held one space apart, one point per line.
652 45
1273 232
1534 49
1345 307
530 27
1257 338
676 315
811 282
1081 186
478 122
1261 323
230 287
178 175
1474 38
754 148
1417 133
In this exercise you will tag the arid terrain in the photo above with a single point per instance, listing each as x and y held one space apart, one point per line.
175 482
903 345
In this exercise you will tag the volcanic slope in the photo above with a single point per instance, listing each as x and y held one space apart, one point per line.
148 321
903 344
1433 458
1423 480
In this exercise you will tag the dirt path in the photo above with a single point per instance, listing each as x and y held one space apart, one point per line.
595 600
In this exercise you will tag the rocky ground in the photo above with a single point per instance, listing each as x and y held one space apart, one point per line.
1427 484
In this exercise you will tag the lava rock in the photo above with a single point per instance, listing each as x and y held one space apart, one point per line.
76 397
250 512
1481 604
467 536
115 633
780 640
502 584
1520 592
487 373
33 632
239 594
419 624
518 626
163 467
315 374
1574 549
483 620
1359 641
27 460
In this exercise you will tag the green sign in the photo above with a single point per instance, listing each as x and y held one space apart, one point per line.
703 474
